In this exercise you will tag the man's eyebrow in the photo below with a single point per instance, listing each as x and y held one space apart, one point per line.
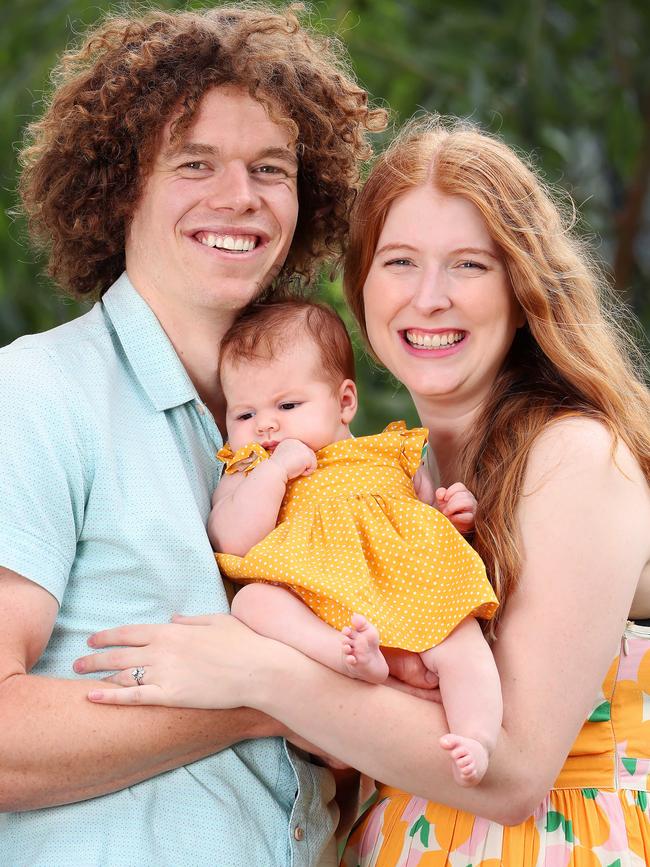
199 149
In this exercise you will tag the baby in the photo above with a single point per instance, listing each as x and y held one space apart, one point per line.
335 537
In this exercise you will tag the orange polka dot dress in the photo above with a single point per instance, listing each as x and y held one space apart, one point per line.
354 538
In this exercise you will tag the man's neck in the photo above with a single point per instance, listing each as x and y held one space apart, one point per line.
196 336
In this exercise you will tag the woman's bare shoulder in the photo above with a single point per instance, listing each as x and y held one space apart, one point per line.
579 444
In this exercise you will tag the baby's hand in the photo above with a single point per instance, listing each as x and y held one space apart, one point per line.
295 458
459 505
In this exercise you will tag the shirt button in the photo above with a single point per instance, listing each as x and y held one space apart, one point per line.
299 833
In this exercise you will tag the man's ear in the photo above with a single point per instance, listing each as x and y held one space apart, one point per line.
348 400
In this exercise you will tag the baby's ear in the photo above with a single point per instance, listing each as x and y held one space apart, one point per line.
348 400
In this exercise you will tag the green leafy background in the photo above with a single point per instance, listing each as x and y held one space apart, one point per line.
565 81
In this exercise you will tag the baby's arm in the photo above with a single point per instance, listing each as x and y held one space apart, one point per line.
245 506
455 502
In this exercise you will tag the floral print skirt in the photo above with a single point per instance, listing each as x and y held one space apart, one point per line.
570 828
597 814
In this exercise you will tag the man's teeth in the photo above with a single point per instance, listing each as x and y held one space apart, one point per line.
229 242
433 341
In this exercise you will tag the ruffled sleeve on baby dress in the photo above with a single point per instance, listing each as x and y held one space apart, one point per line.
244 459
411 445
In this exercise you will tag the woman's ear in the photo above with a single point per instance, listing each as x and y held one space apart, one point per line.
348 400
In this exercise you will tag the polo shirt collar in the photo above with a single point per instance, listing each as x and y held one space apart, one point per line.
148 350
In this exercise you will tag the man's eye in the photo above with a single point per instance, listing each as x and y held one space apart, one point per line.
195 165
271 171
292 404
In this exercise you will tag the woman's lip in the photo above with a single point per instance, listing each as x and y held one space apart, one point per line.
433 351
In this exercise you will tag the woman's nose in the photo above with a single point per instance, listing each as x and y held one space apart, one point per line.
432 293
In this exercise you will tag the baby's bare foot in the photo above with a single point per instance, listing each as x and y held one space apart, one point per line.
362 657
469 757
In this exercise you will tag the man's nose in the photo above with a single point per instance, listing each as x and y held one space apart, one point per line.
234 189
433 292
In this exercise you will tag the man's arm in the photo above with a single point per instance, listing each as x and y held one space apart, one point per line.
57 747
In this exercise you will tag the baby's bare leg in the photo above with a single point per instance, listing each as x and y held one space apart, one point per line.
362 657
277 613
471 695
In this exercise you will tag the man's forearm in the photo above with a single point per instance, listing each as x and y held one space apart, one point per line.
57 747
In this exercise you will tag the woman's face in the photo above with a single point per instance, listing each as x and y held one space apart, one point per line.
440 312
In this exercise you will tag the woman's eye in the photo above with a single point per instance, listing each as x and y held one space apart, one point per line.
469 264
401 262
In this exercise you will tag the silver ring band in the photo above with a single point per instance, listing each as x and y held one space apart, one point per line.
138 675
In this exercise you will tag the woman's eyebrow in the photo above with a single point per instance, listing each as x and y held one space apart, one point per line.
396 246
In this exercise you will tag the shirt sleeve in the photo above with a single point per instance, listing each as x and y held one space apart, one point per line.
43 482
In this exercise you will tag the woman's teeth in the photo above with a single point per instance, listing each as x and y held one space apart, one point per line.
229 242
433 341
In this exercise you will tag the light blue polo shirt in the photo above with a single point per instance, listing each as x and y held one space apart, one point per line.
108 467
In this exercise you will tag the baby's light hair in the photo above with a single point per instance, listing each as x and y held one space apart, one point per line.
263 331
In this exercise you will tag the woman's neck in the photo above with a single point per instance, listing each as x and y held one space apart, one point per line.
449 427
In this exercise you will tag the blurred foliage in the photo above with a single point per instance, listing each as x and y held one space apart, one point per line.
565 80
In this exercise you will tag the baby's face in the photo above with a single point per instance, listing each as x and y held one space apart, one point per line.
287 397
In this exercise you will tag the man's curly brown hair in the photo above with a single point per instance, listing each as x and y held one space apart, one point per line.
86 160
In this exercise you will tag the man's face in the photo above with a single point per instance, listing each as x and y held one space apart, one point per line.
217 214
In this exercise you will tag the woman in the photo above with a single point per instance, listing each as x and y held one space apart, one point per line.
471 292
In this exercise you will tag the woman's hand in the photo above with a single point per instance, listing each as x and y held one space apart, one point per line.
209 661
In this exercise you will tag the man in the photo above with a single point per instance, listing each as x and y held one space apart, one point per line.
164 178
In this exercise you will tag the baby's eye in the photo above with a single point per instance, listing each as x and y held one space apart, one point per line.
290 404
244 416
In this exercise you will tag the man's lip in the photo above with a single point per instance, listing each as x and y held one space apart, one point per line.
235 231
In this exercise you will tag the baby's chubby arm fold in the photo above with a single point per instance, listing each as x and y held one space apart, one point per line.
245 506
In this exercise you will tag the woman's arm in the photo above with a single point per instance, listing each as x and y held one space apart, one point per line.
583 519
245 506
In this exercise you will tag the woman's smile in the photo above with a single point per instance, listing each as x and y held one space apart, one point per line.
440 312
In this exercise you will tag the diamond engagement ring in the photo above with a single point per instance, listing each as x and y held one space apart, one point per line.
138 674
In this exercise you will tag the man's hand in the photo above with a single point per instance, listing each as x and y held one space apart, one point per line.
459 505
295 458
